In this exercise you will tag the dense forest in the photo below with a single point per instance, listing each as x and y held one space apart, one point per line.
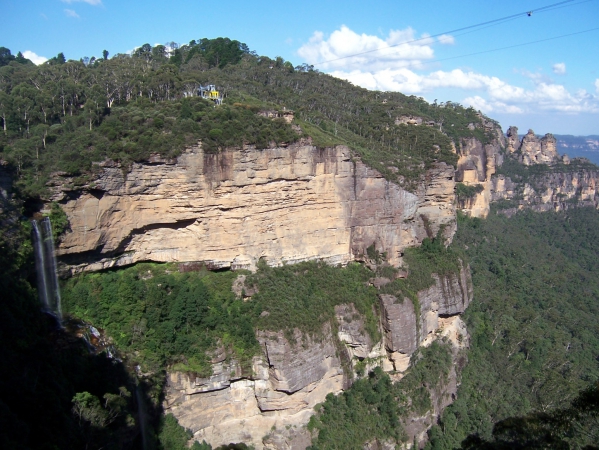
65 115
531 380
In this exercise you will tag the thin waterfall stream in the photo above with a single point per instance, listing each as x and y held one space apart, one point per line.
45 264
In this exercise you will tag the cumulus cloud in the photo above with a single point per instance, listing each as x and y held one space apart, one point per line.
489 94
477 102
446 39
559 68
89 2
347 50
35 59
396 63
71 13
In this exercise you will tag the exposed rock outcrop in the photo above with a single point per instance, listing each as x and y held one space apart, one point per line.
230 209
513 141
406 327
556 191
538 151
476 165
269 406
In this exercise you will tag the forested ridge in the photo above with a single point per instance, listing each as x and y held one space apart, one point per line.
534 332
64 115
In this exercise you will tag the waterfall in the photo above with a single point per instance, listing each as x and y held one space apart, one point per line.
141 414
45 264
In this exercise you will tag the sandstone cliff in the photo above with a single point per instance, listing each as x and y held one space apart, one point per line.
233 208
476 165
561 185
270 406
555 191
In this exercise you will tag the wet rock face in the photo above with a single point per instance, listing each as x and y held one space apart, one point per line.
351 331
450 295
228 210
294 366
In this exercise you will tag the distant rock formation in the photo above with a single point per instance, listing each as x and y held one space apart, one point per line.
555 189
513 141
538 151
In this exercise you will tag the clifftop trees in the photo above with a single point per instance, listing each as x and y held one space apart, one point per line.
146 90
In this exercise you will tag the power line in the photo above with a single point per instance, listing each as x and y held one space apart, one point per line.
420 63
457 30
518 45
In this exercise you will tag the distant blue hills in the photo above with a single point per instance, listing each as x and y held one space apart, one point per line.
579 146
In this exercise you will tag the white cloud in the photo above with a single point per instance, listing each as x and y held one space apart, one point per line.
446 39
89 2
490 94
345 49
481 104
35 59
559 68
371 62
71 13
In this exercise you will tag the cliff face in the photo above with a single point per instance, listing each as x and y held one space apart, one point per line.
231 209
553 189
269 406
550 191
538 151
476 166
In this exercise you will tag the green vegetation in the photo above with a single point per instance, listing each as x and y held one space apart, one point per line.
466 192
166 317
53 392
6 57
304 296
374 407
163 316
65 115
173 436
574 427
367 411
59 220
533 324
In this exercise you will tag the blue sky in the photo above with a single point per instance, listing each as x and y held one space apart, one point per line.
550 86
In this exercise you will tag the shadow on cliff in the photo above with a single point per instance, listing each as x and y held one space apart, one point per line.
55 392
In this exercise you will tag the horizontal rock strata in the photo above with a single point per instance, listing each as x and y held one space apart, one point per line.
555 191
233 208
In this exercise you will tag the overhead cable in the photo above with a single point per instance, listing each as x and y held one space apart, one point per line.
457 30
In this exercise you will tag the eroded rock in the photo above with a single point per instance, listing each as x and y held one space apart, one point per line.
230 209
